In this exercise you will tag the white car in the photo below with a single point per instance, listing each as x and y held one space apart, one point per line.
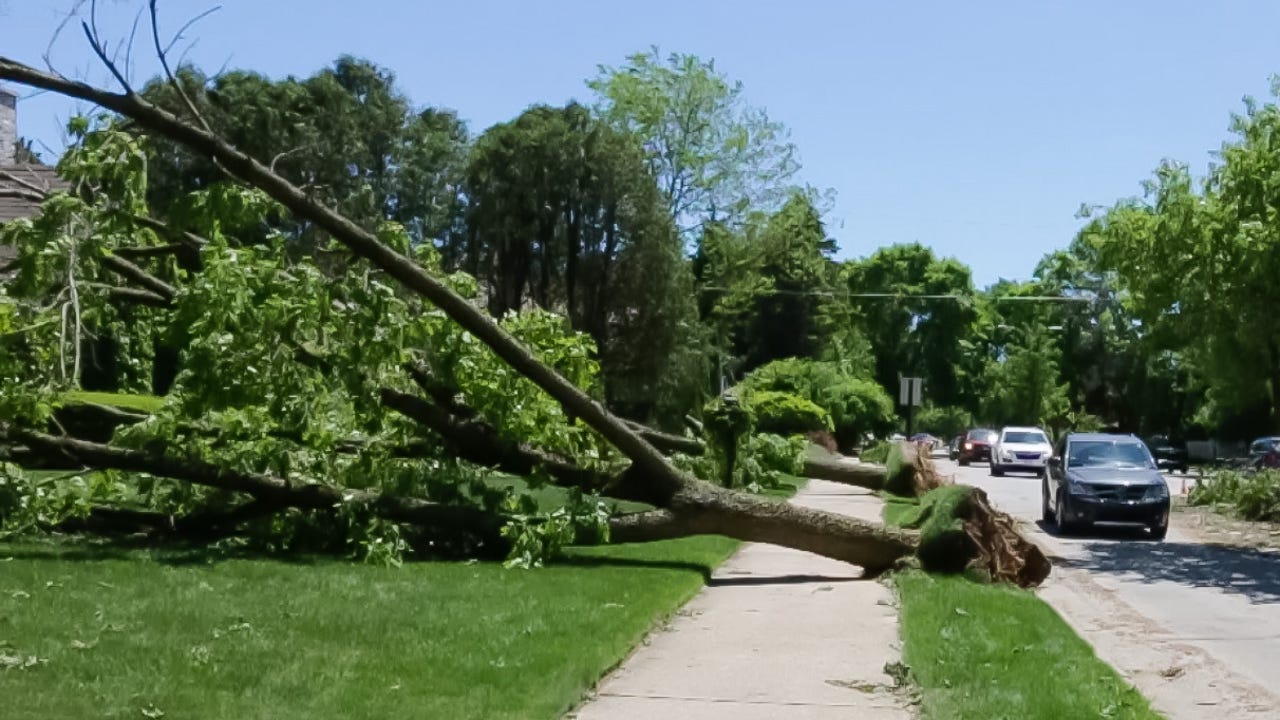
1020 448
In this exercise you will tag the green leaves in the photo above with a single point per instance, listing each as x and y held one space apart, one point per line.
715 157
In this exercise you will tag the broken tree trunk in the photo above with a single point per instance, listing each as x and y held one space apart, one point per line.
688 505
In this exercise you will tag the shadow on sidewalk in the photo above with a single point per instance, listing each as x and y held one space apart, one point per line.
749 580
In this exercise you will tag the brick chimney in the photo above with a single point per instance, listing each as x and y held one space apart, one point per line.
8 127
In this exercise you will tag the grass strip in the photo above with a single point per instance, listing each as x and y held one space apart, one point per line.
978 650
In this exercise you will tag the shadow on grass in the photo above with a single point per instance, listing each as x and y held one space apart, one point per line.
1253 574
607 561
167 552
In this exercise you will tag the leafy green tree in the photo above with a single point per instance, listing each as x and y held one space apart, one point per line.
716 158
1198 261
347 134
768 290
562 213
944 421
1023 386
913 335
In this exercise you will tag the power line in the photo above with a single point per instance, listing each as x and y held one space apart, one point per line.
924 296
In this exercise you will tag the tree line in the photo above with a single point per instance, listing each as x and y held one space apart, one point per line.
665 219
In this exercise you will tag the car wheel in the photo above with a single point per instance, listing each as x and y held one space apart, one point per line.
1159 531
964 463
1046 512
1060 516
996 470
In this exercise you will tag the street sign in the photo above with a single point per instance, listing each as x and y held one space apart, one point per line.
910 391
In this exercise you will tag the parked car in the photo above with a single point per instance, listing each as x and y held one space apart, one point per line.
976 446
1169 454
953 450
1265 452
1096 477
1020 448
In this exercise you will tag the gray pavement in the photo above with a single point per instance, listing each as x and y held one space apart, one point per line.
1195 627
777 633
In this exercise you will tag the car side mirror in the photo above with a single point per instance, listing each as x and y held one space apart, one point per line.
1055 461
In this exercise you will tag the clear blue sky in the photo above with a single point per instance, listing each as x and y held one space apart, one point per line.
974 128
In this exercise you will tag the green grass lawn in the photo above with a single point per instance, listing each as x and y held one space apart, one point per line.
119 634
987 651
114 633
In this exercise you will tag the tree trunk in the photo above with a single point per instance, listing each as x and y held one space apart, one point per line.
704 509
846 471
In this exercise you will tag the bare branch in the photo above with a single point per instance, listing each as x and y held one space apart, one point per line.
100 48
163 54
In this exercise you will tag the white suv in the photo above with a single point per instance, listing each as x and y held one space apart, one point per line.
1020 448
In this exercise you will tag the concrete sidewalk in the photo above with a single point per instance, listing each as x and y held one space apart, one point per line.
777 633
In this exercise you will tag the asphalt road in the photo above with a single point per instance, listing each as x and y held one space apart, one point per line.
1196 627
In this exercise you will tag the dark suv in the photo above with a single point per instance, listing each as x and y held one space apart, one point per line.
1096 477
976 445
1169 454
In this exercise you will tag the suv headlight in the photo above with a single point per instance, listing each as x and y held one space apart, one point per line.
1158 491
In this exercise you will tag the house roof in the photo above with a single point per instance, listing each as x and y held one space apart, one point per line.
20 186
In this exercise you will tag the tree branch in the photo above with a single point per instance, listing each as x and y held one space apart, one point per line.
266 488
131 295
479 443
130 271
665 477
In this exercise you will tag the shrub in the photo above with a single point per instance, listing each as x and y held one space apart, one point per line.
856 405
782 413
1250 496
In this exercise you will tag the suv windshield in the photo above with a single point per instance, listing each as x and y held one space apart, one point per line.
1108 453
982 435
1030 438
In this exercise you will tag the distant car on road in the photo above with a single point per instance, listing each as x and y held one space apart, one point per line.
1265 452
976 446
1020 448
1169 454
1096 477
953 450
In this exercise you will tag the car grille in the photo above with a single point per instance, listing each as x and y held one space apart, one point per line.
1119 492
1027 455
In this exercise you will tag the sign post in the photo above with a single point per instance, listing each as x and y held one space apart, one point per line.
910 394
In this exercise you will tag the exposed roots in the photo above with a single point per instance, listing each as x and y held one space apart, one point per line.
924 476
1000 551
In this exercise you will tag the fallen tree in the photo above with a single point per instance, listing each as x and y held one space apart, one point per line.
221 433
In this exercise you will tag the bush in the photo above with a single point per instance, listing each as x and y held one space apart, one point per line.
856 405
782 413
1250 496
